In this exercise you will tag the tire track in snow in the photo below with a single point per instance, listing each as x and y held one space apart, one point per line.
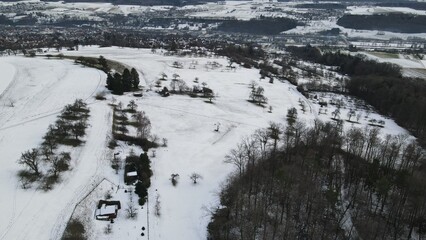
20 79
230 128
38 116
201 115
13 221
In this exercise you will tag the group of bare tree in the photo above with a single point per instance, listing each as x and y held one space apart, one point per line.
179 86
320 182
138 119
257 94
45 163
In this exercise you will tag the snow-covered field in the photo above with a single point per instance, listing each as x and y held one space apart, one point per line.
366 10
41 87
411 66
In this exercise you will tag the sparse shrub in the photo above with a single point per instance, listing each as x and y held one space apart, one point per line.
108 195
112 144
108 229
157 207
100 96
165 141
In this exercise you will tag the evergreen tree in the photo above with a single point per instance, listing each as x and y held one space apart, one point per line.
127 80
135 78
102 61
117 86
110 82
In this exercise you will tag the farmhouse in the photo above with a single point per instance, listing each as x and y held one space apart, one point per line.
107 210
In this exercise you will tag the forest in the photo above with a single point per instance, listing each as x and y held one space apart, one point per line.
358 65
395 22
320 182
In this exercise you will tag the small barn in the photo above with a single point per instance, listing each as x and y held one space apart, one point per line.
107 210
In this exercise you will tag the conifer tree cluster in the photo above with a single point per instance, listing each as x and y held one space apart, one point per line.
125 82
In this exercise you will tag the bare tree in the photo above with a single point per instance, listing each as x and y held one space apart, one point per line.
165 142
336 113
257 95
195 177
46 153
143 125
132 105
50 139
174 178
25 182
358 116
238 158
131 210
120 106
79 129
31 160
26 178
175 76
351 114
60 163
163 77
182 86
274 133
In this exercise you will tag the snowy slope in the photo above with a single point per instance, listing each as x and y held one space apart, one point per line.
193 146
8 73
404 63
41 87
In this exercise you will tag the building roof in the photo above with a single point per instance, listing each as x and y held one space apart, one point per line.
106 210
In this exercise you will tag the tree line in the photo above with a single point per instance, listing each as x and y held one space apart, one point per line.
358 65
320 182
45 163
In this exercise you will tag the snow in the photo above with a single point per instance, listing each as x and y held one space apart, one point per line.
8 73
42 87
106 209
403 62
132 174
